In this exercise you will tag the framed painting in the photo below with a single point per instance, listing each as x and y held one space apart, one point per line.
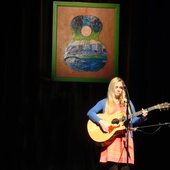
85 41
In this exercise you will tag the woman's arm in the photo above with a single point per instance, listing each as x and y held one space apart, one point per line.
137 120
99 107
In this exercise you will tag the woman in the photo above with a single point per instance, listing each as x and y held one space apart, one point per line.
115 155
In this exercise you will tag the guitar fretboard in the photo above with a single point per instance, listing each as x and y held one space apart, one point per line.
140 112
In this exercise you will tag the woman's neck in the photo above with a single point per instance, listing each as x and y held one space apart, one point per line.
116 101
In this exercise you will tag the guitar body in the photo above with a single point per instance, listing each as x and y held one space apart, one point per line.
96 133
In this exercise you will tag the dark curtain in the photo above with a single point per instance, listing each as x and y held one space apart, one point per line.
44 122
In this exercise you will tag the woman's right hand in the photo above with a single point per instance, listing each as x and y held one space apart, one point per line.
104 126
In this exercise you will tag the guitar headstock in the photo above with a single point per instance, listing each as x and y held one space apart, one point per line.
163 106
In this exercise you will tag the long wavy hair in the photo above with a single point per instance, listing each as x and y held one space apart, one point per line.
110 102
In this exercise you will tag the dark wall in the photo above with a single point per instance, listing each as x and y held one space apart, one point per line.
44 122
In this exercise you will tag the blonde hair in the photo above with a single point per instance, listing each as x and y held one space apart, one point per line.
110 102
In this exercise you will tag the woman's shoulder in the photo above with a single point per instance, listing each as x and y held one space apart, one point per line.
102 101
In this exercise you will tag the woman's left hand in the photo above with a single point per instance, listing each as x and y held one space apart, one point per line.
144 113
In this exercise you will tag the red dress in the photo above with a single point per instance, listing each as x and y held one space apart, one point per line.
117 150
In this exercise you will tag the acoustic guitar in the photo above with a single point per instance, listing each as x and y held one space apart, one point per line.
116 123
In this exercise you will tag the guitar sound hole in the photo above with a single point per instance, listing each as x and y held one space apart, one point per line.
115 121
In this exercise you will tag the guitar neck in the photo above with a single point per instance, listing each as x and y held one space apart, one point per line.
140 112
